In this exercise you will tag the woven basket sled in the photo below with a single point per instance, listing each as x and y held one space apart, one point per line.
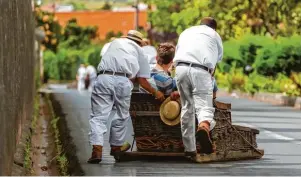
153 136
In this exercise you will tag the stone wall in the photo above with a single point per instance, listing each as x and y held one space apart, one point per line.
16 75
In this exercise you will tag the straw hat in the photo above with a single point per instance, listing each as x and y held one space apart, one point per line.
134 35
170 112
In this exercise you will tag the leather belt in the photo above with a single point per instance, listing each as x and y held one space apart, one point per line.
114 73
195 66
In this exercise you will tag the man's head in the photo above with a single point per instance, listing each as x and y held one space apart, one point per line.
82 65
209 21
135 36
166 53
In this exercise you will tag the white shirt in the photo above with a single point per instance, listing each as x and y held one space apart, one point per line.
200 45
105 48
81 72
125 56
91 71
151 53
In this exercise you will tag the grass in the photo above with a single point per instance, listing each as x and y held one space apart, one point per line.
60 155
36 111
27 148
27 156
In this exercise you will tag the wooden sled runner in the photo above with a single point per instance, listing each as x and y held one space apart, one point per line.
156 139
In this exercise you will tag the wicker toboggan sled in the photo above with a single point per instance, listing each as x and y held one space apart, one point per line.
154 138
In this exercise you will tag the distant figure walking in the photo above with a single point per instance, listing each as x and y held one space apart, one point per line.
80 77
91 75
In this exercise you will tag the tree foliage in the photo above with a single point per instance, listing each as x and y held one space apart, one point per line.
235 17
47 22
76 36
161 17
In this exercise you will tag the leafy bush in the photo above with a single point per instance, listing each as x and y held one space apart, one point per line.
63 65
266 55
236 80
106 6
111 34
258 83
233 80
78 6
76 36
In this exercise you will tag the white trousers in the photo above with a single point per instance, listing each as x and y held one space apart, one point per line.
195 88
110 93
81 84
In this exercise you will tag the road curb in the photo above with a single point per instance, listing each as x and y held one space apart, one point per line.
69 148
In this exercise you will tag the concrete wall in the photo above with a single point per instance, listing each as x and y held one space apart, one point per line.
16 75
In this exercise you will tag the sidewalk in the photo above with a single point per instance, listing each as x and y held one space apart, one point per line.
272 98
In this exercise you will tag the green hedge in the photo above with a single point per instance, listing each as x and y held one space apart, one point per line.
63 65
276 65
266 55
237 80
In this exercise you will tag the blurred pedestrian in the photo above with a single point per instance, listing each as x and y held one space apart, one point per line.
124 60
198 50
92 74
80 77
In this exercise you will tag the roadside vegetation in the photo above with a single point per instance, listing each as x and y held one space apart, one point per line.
60 154
28 147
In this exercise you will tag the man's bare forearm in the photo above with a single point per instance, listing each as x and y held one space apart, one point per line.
146 85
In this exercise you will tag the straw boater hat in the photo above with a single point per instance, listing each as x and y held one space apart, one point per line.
134 35
170 111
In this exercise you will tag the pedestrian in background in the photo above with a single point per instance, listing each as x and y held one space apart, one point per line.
91 74
80 77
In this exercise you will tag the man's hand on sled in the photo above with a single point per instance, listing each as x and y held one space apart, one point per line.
159 95
146 85
174 95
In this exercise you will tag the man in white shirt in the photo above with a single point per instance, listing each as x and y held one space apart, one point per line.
198 50
80 77
123 61
91 72
106 46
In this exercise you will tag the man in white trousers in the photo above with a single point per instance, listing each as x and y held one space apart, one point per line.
124 60
198 50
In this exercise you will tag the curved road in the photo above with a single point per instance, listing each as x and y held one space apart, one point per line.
280 137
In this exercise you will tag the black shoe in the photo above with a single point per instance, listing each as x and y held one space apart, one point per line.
191 155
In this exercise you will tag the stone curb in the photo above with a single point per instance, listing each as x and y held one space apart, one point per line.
273 98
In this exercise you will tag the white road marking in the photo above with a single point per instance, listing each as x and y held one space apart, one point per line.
272 134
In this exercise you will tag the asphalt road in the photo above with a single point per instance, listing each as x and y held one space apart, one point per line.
280 137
